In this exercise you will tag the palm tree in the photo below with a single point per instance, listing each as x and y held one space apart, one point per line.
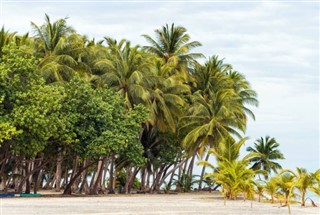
211 76
54 47
167 93
218 105
316 187
267 153
304 181
123 70
232 175
210 121
5 38
271 188
172 42
50 34
286 182
242 88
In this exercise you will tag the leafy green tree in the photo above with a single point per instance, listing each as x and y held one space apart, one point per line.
267 153
102 124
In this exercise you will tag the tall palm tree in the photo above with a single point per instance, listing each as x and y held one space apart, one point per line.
5 38
123 70
217 104
167 93
242 88
54 46
172 41
50 34
267 153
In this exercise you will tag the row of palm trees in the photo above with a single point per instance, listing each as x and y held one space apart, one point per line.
252 175
194 110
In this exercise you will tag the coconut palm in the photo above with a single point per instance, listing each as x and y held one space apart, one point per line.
5 38
304 182
210 121
286 182
54 47
242 88
50 34
267 153
167 92
271 188
232 175
172 42
218 109
211 76
124 70
259 189
316 187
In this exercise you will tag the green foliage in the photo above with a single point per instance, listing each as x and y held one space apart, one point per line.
38 114
7 131
146 107
232 175
185 182
316 186
102 124
266 153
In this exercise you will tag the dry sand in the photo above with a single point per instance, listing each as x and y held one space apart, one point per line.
194 203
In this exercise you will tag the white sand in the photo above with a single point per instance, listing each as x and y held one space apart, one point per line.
194 203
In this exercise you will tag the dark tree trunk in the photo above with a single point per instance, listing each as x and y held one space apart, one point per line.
97 178
68 189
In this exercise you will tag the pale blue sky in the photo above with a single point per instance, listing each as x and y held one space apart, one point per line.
275 44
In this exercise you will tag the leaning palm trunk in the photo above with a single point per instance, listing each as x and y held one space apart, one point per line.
203 171
98 175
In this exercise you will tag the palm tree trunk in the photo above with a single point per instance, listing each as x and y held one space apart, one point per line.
143 180
303 195
171 171
97 178
202 172
133 177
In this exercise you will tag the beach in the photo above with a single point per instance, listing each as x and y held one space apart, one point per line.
188 203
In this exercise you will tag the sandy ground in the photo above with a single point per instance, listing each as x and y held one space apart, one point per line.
195 203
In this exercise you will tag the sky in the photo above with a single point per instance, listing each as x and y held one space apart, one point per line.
275 44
